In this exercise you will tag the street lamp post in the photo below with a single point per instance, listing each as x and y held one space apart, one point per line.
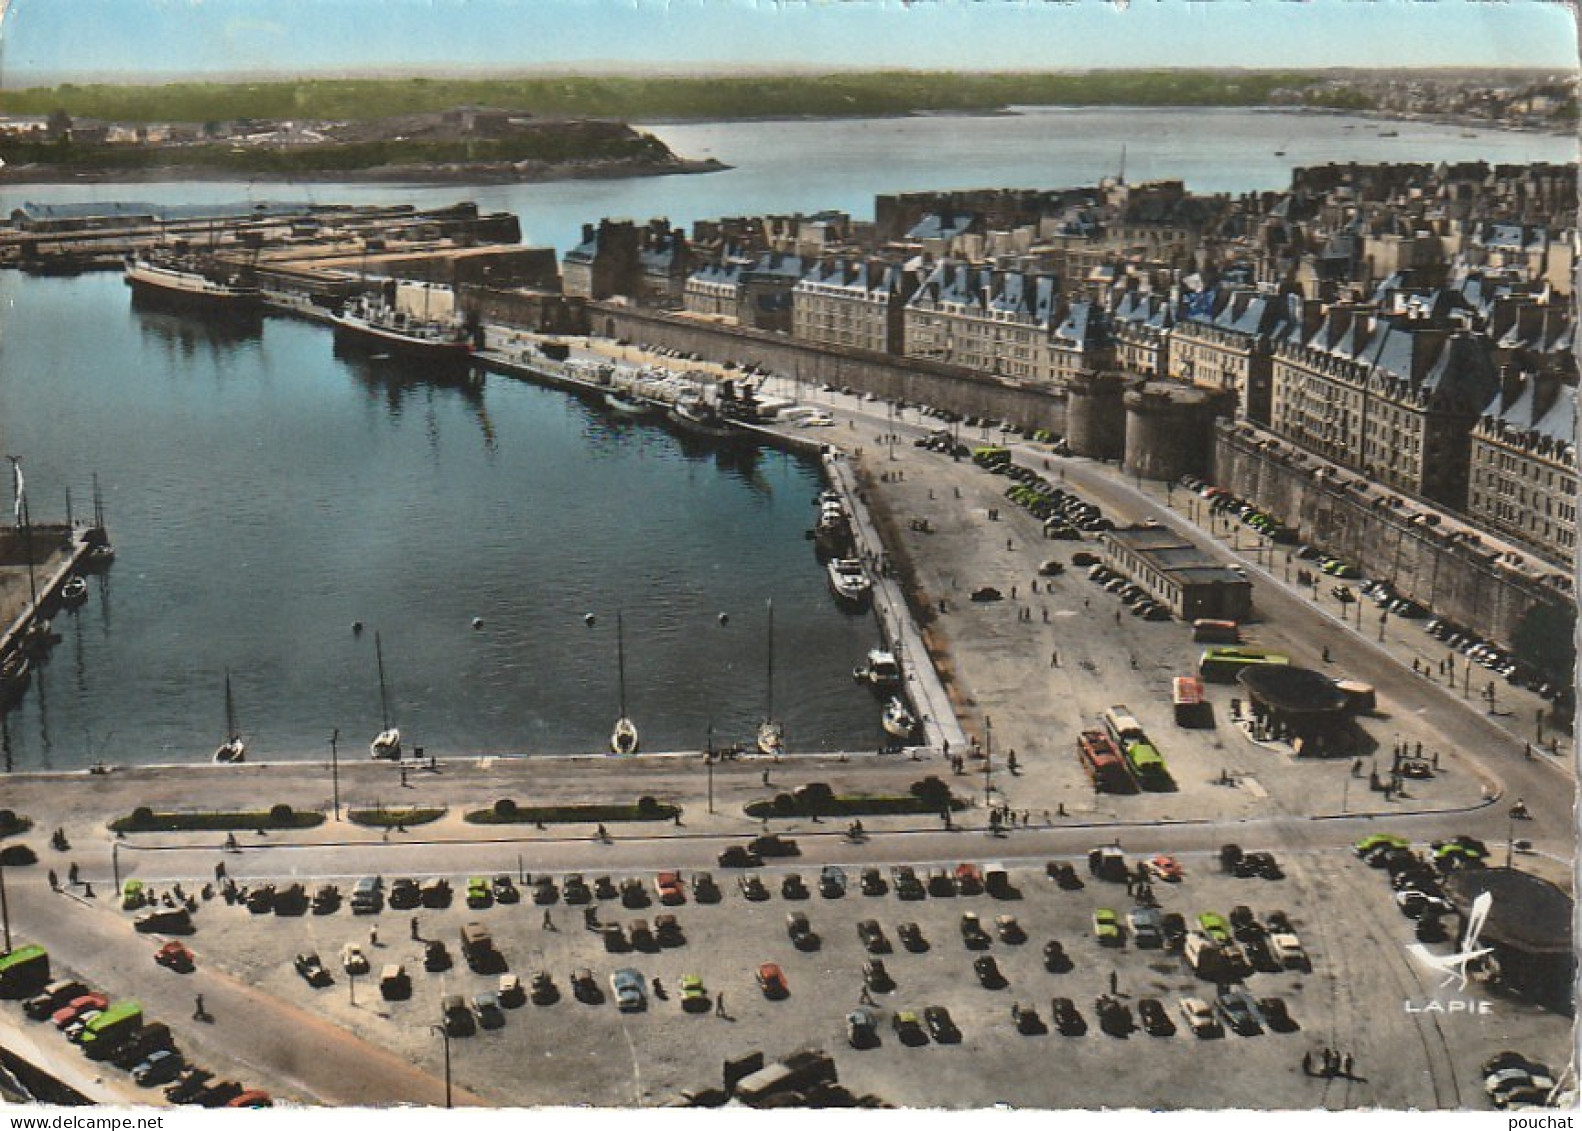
115 864
335 770
988 758
445 1036
5 910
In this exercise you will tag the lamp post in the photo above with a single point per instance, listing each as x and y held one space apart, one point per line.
335 770
115 864
708 763
988 758
445 1036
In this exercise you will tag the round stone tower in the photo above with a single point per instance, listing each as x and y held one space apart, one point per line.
1170 429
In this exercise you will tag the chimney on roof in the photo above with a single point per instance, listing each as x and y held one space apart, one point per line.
1511 384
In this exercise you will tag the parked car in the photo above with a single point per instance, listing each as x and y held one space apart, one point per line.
404 894
1107 927
872 882
1155 1020
792 886
972 932
1275 1014
704 889
801 932
312 970
736 856
1240 1012
486 1005
542 989
832 882
436 956
753 887
862 1028
457 1018
694 998
1068 1019
912 937
176 956
873 937
988 972
669 888
584 987
1146 929
504 891
631 994
510 992
941 1026
161 1067
353 960
479 894
1199 1017
772 981
876 977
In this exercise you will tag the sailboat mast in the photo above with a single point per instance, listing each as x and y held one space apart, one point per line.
384 700
620 662
230 709
769 707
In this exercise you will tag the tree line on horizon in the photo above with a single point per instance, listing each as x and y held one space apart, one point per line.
714 98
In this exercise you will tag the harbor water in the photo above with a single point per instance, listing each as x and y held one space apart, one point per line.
264 493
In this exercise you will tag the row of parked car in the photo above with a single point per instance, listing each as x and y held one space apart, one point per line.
117 1034
1064 514
1224 502
1497 660
1142 605
1416 876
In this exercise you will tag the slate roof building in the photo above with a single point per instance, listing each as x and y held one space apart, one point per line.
1226 342
1392 396
853 304
1524 465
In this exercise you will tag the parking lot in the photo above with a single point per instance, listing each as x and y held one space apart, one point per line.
1354 999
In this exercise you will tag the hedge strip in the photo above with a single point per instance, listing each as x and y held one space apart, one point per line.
143 821
879 805
570 814
390 818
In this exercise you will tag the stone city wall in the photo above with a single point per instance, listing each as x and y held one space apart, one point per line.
1454 578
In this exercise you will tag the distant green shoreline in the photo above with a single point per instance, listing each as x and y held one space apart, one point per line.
842 95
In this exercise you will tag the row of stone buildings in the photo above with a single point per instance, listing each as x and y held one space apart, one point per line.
1412 323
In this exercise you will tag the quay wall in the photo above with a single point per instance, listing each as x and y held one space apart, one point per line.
1435 565
914 380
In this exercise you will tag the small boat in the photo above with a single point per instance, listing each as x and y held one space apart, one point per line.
75 590
849 581
387 744
897 721
692 413
233 749
99 556
38 636
623 739
771 735
881 670
628 403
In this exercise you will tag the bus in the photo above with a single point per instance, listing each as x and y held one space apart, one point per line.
1102 760
1216 632
23 970
1148 766
1222 665
111 1027
1192 709
1123 727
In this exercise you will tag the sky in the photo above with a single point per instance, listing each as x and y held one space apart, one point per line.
49 41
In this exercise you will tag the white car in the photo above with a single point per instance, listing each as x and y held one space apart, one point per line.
353 960
1198 1016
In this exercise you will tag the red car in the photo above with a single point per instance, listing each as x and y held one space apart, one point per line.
253 1097
772 980
1165 868
176 956
668 885
66 1014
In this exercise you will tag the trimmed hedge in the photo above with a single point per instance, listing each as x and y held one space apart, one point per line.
854 805
13 823
146 820
390 818
500 813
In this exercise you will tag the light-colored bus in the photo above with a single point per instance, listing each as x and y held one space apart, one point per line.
1121 724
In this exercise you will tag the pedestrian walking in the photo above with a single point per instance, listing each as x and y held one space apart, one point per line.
373 936
764 777
549 920
719 1004
1054 658
1307 1063
72 873
414 926
1115 982
198 1012
54 881
1117 616
590 918
865 997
